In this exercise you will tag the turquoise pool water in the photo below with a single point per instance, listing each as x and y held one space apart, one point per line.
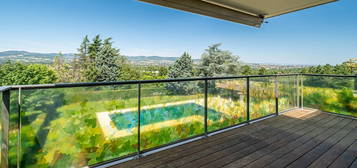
156 115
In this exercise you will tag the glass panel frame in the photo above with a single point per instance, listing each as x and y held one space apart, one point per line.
227 103
262 97
81 126
176 113
331 94
287 92
71 127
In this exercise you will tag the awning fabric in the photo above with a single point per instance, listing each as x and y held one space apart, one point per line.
249 12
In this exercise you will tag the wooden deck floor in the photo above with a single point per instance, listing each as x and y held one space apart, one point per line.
299 138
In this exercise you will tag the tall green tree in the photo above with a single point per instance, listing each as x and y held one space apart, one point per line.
82 55
81 62
182 68
94 48
108 62
217 62
91 72
100 61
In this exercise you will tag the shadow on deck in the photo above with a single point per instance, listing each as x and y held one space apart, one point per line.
299 138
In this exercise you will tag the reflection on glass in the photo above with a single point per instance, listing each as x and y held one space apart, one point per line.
174 112
331 94
72 127
13 129
1 128
227 103
75 127
287 91
262 97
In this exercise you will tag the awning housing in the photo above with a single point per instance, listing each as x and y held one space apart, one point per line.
249 12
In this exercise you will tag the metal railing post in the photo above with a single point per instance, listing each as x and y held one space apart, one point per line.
299 91
19 124
5 112
302 92
248 100
206 108
296 84
139 117
276 95
355 82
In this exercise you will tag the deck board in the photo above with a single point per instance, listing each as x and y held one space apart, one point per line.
293 134
354 164
204 150
328 157
299 138
312 155
261 144
346 158
254 138
296 143
311 143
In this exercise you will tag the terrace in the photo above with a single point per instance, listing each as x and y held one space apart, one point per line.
298 138
291 120
294 120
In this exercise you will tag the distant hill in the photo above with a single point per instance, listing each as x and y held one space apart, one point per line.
31 57
47 58
151 60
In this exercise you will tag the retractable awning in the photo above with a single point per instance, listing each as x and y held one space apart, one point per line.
249 12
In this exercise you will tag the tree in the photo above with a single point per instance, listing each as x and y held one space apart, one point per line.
21 74
352 63
217 62
83 53
151 72
99 61
130 72
62 69
342 69
182 68
108 62
246 70
81 62
90 72
163 71
262 71
328 69
94 48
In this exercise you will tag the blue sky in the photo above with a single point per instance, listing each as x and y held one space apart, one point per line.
320 35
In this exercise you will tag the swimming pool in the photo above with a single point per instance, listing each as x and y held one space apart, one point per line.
158 115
